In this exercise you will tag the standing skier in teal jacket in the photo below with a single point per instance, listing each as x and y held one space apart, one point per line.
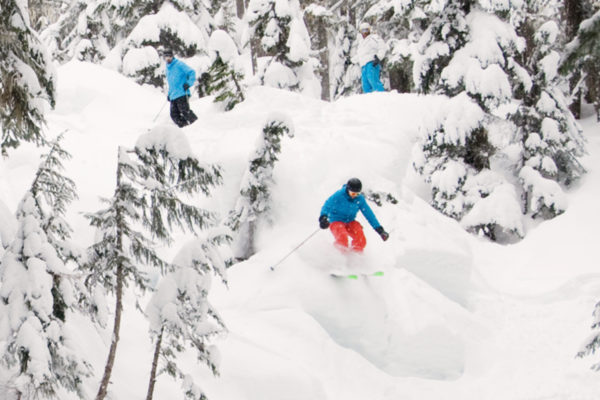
180 78
339 213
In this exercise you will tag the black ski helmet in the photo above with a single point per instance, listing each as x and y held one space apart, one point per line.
354 185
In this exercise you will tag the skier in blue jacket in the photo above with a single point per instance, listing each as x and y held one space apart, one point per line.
339 213
180 78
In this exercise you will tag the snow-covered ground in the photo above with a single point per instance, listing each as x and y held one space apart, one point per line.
454 316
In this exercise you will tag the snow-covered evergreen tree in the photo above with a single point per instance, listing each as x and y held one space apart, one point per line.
583 56
27 78
573 13
39 291
253 204
53 192
143 211
181 316
451 151
453 157
447 31
318 20
469 53
128 36
224 78
84 31
550 137
485 66
181 26
284 39
400 25
345 74
8 227
592 343
225 16
442 154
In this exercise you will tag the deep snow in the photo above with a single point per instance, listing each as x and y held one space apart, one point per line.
454 317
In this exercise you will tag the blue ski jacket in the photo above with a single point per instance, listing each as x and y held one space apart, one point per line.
178 74
341 207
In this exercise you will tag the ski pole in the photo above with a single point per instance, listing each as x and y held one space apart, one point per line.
294 249
159 111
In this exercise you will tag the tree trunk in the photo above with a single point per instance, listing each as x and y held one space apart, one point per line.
240 8
154 365
401 77
254 51
249 246
115 339
317 27
351 14
574 14
323 60
119 304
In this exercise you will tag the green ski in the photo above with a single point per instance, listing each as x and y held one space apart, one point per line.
356 275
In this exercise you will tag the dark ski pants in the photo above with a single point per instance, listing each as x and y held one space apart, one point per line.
353 229
181 113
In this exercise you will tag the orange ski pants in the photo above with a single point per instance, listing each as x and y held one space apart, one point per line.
341 231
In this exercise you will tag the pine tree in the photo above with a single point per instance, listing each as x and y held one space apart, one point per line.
442 155
550 137
593 342
318 21
447 32
8 227
574 12
468 50
38 291
181 26
83 31
345 73
44 12
128 36
54 192
253 204
181 316
280 30
224 77
26 78
143 211
401 25
583 57
226 16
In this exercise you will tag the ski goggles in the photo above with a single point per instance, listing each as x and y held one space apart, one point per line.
353 194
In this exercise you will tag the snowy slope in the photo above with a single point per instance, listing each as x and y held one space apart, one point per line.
454 317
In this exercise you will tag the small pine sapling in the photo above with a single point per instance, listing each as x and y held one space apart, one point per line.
593 342
38 291
27 78
143 212
550 137
224 77
181 316
254 202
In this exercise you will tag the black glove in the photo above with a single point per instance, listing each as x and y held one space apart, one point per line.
168 99
376 61
186 86
323 222
384 235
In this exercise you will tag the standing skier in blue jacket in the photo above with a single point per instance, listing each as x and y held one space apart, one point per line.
180 78
339 213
